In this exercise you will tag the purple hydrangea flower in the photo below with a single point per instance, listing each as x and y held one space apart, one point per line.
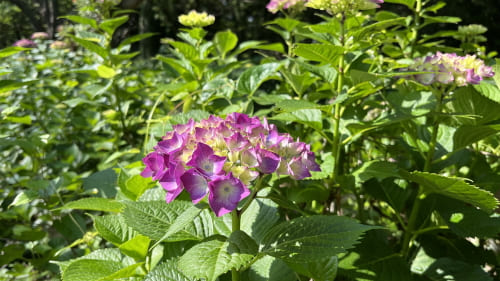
450 68
225 194
221 157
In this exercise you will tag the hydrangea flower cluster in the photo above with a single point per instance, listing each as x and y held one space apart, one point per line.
195 19
275 5
335 7
450 68
221 157
25 43
40 35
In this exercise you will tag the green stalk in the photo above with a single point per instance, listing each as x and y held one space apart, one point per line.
336 118
412 227
235 274
416 26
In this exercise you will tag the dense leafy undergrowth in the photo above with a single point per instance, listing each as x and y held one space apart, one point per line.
404 131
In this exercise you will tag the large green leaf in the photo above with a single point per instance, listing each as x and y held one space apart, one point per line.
252 78
375 169
269 269
110 25
136 247
82 20
217 255
467 135
104 181
90 270
91 46
455 188
166 271
9 51
327 72
374 259
184 219
323 270
314 238
113 228
467 221
134 38
225 41
95 204
319 52
480 109
489 90
309 117
408 3
154 219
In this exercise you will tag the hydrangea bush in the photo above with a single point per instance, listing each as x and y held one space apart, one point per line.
313 157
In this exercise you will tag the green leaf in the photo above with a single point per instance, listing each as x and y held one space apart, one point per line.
455 188
309 117
166 271
133 186
467 135
468 101
9 51
374 259
269 269
95 204
319 52
23 198
184 219
91 46
11 85
446 269
109 26
376 169
105 71
225 41
136 247
104 181
217 255
489 90
292 105
82 20
185 49
323 270
327 72
252 78
307 239
467 221
261 215
496 69
113 228
134 38
287 23
154 218
90 270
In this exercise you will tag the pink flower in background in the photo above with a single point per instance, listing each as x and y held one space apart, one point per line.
40 35
25 43
450 68
275 5
221 157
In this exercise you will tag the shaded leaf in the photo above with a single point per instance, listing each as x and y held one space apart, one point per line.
95 204
314 238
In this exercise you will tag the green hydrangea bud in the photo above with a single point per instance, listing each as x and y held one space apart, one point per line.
195 19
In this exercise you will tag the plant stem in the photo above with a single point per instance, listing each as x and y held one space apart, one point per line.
416 26
336 119
235 222
411 231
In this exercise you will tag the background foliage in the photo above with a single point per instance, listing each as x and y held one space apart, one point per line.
77 118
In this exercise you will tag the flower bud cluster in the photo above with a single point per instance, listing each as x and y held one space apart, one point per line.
220 157
195 19
25 43
40 35
296 5
335 7
450 68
